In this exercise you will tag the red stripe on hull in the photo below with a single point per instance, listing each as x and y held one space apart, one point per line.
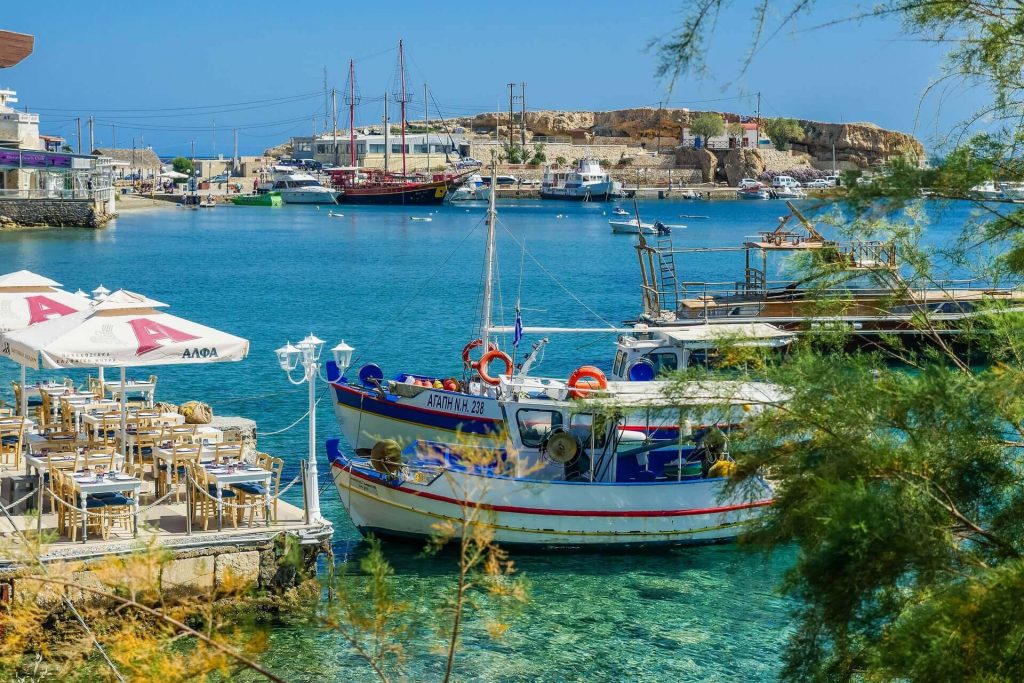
568 513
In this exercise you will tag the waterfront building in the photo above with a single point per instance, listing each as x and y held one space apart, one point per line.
131 164
751 138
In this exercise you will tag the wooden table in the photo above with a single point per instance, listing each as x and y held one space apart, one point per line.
86 487
146 389
221 476
91 422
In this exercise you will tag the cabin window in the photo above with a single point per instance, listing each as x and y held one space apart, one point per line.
664 361
376 149
581 425
620 363
535 425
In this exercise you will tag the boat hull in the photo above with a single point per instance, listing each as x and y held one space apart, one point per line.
597 192
257 200
429 193
319 197
550 514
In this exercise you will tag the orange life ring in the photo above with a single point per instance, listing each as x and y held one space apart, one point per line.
589 376
472 345
493 354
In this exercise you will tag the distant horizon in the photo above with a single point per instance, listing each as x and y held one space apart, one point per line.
148 73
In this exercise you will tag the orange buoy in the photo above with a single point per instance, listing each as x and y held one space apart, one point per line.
472 345
485 361
586 379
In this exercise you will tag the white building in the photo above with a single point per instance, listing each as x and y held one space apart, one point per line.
749 138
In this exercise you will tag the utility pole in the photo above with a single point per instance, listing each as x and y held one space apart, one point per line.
113 135
334 108
660 105
757 133
522 117
325 101
79 120
511 95
234 156
92 143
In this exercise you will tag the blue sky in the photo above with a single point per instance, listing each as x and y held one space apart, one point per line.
165 60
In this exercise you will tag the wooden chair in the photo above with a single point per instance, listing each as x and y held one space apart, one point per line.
67 415
177 468
72 512
226 450
12 438
106 434
34 403
95 387
177 434
146 439
206 505
45 410
103 457
251 495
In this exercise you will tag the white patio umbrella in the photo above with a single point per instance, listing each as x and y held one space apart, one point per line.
173 175
27 299
123 330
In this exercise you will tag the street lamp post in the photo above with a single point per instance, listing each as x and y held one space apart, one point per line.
307 354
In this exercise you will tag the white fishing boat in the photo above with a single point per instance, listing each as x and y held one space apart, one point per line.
586 182
619 211
579 462
988 190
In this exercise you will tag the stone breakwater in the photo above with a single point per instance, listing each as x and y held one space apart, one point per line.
61 213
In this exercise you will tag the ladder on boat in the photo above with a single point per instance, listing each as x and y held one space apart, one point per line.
667 270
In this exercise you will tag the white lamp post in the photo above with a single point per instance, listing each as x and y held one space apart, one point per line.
307 354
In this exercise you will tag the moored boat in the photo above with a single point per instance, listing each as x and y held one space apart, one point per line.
586 182
265 199
624 467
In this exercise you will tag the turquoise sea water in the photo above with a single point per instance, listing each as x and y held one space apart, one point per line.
405 294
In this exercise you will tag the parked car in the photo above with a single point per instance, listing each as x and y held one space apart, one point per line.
222 178
820 183
748 183
833 180
785 181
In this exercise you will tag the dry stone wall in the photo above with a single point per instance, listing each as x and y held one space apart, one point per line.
68 213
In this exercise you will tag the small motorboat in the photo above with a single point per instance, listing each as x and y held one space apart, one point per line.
619 211
753 193
331 214
421 218
630 227
788 193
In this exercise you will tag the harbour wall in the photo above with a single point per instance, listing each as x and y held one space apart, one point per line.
62 213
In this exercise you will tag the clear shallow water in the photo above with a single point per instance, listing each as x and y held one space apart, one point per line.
405 294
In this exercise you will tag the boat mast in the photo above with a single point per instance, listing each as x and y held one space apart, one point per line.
485 311
387 145
401 102
352 112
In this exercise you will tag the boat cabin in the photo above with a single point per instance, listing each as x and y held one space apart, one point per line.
650 352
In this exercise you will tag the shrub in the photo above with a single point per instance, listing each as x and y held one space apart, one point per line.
707 125
561 161
781 131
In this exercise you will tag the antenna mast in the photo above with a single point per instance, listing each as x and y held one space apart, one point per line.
402 99
485 310
351 99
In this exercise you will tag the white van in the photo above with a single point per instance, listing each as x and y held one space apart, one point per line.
784 181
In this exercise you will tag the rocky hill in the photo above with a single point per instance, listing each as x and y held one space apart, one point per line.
859 144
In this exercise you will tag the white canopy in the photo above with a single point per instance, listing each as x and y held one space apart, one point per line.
27 299
123 330
173 175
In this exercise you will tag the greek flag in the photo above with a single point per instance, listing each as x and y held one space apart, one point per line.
517 334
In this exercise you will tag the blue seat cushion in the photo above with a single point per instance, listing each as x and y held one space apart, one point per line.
34 402
115 500
251 489
8 440
226 493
